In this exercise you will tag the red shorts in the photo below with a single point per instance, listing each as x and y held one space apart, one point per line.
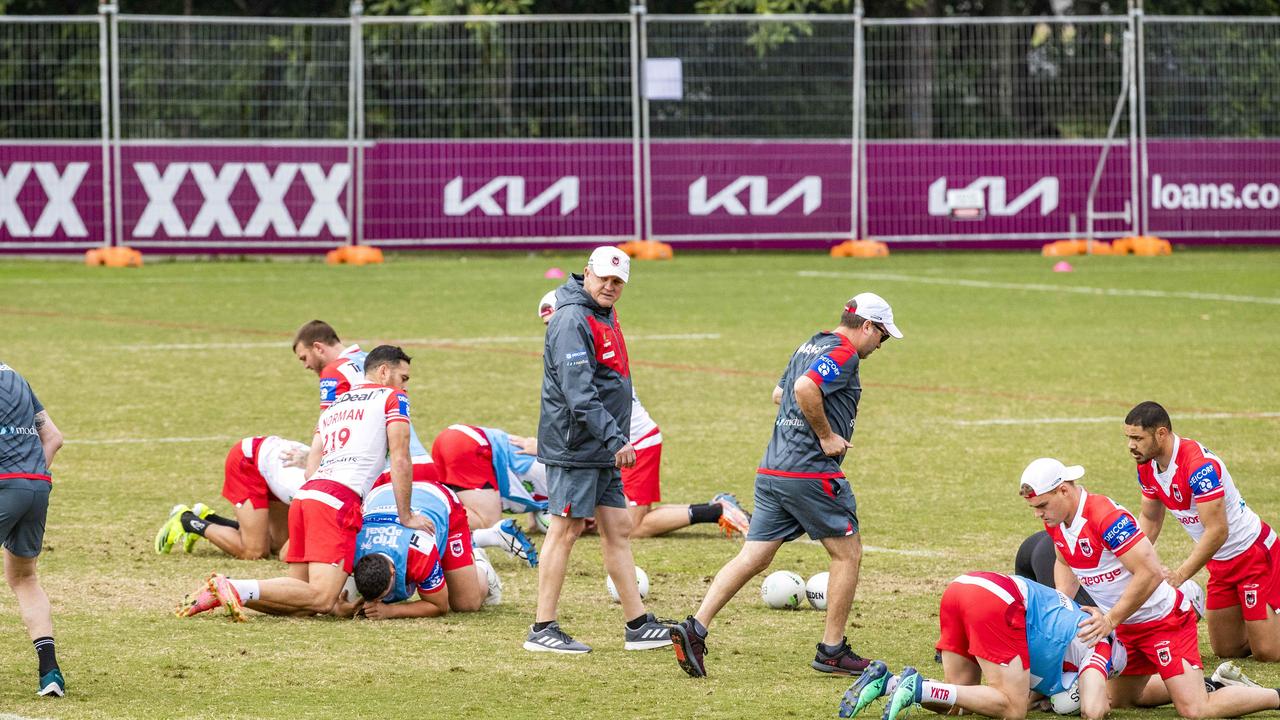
1250 579
457 551
640 483
979 622
1160 646
422 472
463 463
324 520
242 484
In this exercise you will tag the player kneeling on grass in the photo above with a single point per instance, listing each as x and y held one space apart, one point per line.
261 476
353 439
393 562
1018 635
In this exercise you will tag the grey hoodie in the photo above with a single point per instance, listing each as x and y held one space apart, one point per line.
586 383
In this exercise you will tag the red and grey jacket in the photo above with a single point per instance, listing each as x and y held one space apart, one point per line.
586 383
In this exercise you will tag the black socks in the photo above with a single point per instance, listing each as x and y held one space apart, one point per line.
540 626
44 651
193 523
708 513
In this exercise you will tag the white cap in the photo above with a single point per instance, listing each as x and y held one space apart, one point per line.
609 261
547 306
874 308
1045 474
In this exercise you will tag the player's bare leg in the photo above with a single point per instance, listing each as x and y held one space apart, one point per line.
753 559
1138 691
552 562
614 525
484 507
252 541
1094 700
649 521
846 559
959 670
314 595
1192 700
1227 635
466 588
1264 637
33 603
278 520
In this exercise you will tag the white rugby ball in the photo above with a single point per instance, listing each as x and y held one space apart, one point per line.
816 591
782 590
1066 702
642 582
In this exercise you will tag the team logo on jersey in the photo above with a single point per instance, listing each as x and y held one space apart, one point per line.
455 547
1250 595
1162 653
1120 532
1205 480
1177 492
1085 548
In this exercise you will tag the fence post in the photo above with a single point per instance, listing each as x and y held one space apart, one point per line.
1138 117
639 192
117 173
858 211
355 127
105 9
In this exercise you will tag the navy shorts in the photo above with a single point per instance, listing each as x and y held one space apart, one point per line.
23 507
574 492
786 508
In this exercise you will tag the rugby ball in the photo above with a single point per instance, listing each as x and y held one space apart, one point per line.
782 590
349 587
816 591
1066 702
642 582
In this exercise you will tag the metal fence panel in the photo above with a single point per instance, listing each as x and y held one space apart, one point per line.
504 129
1012 110
1213 127
53 194
757 142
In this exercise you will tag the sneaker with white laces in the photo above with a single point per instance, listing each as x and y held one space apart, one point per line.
733 518
553 639
1229 673
869 687
516 543
653 634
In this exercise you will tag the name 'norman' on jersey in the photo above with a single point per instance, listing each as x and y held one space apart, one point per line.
831 361
354 436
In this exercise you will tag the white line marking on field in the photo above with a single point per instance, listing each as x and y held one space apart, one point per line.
497 339
1111 419
896 551
8 716
132 441
1040 287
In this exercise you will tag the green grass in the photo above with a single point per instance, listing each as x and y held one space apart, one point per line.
973 351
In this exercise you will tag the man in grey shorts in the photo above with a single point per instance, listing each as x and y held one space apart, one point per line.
28 442
800 487
582 439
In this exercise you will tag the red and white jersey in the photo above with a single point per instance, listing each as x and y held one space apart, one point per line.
354 435
644 431
341 375
1196 475
283 479
1092 544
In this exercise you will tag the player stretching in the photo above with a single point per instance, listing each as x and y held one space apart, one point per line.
1101 546
1239 549
1018 635
352 441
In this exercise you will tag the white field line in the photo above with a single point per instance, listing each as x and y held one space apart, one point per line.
1040 287
138 441
1111 419
493 340
10 716
896 551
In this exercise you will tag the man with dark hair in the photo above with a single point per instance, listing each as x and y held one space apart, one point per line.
1036 560
1238 548
28 442
799 485
352 442
582 439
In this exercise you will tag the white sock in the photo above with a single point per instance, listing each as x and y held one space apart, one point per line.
487 537
247 589
938 693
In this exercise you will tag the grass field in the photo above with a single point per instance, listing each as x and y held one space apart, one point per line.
152 374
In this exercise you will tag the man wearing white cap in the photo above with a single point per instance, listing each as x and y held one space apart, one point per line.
583 442
642 483
1100 545
800 487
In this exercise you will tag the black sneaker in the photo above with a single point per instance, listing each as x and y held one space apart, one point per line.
689 647
844 662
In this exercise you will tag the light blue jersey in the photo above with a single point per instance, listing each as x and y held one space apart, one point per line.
1057 656
415 553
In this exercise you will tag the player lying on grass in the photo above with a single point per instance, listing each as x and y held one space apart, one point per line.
260 478
1016 634
642 483
394 562
353 439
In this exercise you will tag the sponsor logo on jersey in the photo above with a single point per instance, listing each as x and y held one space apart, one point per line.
1086 548
1103 578
380 536
404 404
1189 520
576 358
16 430
1120 532
1205 480
328 389
826 367
436 578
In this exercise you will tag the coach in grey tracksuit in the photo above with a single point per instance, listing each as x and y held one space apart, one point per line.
583 441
